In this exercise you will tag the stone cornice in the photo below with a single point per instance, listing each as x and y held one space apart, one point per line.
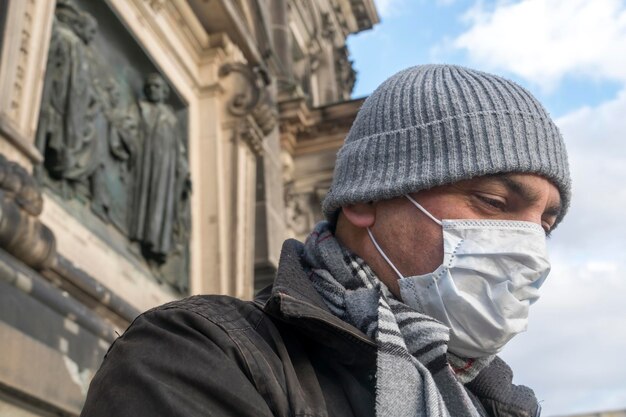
224 16
305 131
358 15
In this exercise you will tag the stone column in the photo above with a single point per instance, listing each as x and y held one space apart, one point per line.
249 117
281 35
209 261
25 42
270 211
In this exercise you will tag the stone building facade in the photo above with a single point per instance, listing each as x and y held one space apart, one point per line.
614 413
149 150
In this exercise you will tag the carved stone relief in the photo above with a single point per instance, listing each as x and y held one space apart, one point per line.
360 13
328 28
22 61
321 67
67 134
345 73
120 151
298 210
21 232
162 182
341 18
253 100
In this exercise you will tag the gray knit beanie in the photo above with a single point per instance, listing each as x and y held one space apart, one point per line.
431 125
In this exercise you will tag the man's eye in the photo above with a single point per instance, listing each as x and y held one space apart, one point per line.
498 204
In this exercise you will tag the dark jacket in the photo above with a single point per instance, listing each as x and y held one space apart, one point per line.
284 354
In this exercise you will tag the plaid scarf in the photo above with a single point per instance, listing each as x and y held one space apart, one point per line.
415 375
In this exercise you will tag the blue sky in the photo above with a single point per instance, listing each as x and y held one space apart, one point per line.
422 31
572 55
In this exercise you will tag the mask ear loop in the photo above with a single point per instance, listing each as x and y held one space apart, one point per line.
423 210
380 250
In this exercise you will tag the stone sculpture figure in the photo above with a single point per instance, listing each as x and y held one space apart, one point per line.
157 174
67 136
182 225
111 183
176 270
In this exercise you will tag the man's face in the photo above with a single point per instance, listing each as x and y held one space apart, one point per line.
89 33
155 90
414 242
86 28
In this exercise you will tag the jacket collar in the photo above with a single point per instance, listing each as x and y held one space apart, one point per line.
293 299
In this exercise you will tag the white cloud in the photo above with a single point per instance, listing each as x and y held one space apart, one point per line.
597 153
572 353
544 40
389 8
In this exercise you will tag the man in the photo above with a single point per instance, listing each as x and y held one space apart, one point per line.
158 172
443 193
67 135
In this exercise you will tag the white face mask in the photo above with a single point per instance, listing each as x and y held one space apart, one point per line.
491 273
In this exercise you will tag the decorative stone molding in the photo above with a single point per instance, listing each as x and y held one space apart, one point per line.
22 57
328 28
344 71
364 13
305 130
249 132
355 15
20 186
298 210
21 232
243 103
22 60
343 24
156 5
256 100
295 118
253 104
310 139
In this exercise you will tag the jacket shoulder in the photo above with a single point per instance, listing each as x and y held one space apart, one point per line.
181 359
228 312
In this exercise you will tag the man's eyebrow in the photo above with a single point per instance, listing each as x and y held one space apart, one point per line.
525 192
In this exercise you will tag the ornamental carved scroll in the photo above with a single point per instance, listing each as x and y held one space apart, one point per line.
253 99
21 232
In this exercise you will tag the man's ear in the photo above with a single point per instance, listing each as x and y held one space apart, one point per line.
360 214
